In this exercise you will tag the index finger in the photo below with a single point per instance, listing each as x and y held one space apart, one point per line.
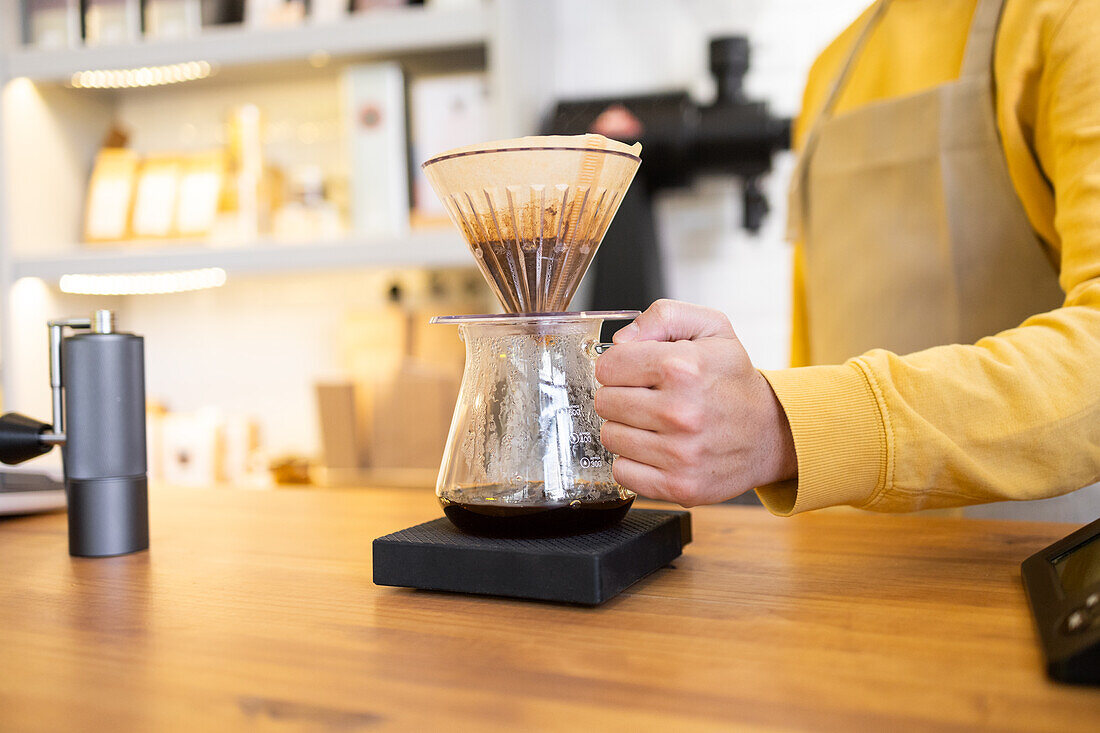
672 320
640 364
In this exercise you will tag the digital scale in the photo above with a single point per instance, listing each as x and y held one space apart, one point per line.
1063 587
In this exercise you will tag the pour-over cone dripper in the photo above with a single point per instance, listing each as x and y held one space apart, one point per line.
534 210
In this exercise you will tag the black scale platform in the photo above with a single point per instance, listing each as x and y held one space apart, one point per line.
588 568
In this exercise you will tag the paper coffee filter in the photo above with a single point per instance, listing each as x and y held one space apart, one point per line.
533 210
592 140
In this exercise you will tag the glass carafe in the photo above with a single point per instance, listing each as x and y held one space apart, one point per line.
523 456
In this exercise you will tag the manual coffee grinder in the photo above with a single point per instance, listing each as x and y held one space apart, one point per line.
523 462
97 378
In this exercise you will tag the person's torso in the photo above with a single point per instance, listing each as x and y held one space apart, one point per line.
923 229
919 44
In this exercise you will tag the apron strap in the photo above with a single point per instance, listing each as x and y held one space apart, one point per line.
849 63
977 63
980 41
796 196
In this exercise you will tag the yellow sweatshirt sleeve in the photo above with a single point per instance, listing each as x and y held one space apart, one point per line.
1015 416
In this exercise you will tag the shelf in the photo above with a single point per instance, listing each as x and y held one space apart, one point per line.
376 32
441 248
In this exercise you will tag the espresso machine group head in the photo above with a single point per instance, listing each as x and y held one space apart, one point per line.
97 377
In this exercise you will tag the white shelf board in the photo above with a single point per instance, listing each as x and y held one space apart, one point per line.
376 32
443 248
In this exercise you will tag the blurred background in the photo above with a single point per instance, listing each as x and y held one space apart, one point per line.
239 180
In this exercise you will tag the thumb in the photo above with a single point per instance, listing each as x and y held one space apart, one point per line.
672 320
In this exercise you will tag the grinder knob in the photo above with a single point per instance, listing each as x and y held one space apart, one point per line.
20 438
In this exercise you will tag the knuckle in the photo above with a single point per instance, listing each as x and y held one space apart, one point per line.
664 311
607 436
618 472
684 417
677 370
692 452
677 453
599 402
663 307
685 453
718 318
604 369
681 489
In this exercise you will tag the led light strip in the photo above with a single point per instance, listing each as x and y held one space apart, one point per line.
143 283
146 76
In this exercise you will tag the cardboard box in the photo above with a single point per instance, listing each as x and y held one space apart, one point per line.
397 421
404 419
342 447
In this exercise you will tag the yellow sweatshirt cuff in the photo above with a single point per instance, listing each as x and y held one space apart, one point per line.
840 439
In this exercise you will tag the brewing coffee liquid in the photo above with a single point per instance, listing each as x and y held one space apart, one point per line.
477 513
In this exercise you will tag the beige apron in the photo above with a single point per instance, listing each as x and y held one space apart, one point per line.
912 230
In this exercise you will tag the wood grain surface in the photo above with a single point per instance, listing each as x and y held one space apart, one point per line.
256 610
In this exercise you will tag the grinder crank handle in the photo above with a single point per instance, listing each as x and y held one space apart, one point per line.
21 438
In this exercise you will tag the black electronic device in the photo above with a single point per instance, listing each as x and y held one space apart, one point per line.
585 569
1063 587
734 135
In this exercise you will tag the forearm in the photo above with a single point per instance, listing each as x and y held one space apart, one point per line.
1015 416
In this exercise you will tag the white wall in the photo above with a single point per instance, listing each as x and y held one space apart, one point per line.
638 46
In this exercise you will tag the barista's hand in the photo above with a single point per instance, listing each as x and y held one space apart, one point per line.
690 419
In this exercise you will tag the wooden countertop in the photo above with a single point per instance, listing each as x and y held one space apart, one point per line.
257 610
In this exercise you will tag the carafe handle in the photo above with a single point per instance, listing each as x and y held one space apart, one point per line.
595 348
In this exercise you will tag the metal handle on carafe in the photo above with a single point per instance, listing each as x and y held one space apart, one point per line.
595 348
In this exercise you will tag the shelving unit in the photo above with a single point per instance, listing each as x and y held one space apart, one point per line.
376 33
419 249
50 141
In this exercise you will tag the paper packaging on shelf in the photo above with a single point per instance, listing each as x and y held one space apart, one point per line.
447 112
54 23
429 343
374 118
342 447
306 215
191 445
374 342
403 404
453 4
108 22
154 439
274 13
155 200
240 442
204 448
221 12
110 195
361 5
396 421
172 18
327 11
405 418
200 188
